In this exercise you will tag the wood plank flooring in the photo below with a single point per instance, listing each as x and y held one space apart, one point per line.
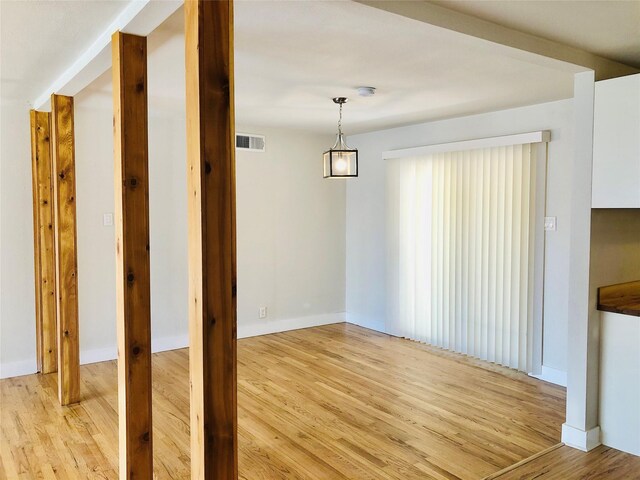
565 463
332 402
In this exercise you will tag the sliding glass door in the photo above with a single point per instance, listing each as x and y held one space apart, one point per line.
465 242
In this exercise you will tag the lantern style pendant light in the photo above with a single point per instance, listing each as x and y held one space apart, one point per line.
340 161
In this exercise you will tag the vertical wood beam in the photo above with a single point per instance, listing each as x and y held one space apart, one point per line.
129 53
44 243
64 183
212 238
35 133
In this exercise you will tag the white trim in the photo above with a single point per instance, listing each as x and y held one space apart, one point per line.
139 17
96 355
111 353
364 321
169 343
552 375
27 367
537 224
253 330
17 369
542 136
576 438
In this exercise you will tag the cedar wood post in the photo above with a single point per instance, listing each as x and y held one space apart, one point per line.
132 255
212 247
66 255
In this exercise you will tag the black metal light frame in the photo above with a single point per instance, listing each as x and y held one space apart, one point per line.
340 147
336 175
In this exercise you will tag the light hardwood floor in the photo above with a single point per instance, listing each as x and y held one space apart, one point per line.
333 402
562 463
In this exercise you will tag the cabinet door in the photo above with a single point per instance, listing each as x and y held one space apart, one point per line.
616 143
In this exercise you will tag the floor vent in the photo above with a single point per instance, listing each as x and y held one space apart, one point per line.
255 143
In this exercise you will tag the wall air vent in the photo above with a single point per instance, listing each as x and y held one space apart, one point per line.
254 143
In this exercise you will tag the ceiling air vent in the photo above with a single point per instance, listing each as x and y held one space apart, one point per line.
245 141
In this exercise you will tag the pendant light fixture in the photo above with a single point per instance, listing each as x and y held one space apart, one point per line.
340 161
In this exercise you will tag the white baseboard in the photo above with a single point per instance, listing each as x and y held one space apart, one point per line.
96 355
111 353
253 330
365 322
164 344
576 438
552 375
27 367
17 369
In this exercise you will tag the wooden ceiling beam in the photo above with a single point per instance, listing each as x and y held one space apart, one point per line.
140 17
509 41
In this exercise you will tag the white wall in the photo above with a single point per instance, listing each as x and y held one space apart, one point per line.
96 243
17 297
366 247
291 234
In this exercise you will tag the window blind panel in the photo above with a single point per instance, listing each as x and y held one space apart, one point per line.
498 258
513 271
523 318
484 266
531 255
422 248
445 279
407 243
460 328
461 251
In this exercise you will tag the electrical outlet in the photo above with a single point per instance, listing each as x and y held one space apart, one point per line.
262 313
550 224
107 219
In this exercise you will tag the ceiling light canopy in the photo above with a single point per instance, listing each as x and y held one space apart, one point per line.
366 91
340 161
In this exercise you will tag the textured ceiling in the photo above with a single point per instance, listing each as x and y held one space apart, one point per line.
40 39
292 58
609 28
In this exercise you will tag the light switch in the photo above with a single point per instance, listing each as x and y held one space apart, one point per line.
107 219
550 224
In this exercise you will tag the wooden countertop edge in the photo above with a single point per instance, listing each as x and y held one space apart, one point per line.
622 311
622 298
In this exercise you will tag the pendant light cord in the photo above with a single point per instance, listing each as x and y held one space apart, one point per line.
340 121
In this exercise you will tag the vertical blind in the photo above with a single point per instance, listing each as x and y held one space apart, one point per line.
462 244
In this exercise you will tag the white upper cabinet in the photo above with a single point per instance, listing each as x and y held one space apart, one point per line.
616 143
